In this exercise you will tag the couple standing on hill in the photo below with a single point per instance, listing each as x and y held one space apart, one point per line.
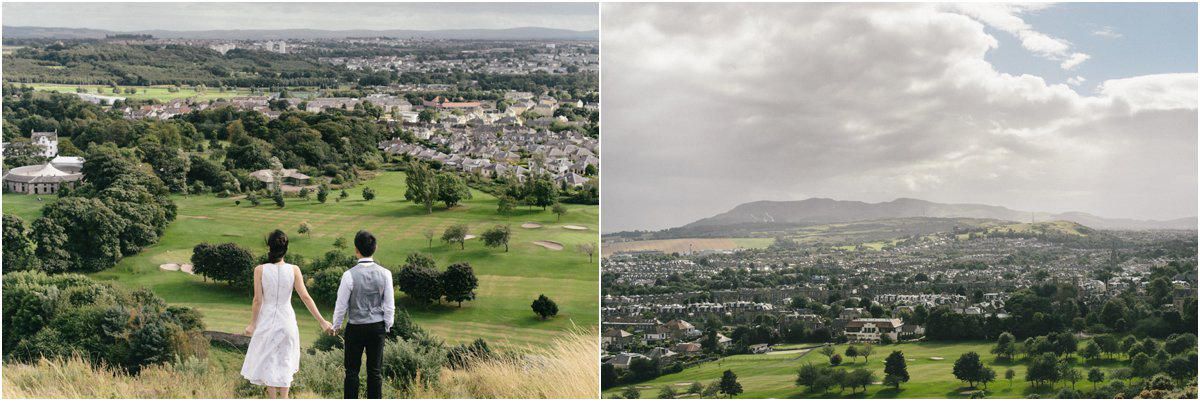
364 300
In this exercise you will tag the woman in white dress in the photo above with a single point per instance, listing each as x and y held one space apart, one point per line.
274 353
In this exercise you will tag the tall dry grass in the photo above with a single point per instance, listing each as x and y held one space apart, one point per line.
567 367
78 378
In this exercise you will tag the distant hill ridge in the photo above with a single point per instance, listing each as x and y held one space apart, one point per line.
825 210
522 33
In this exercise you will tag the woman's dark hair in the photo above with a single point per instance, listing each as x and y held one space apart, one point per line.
277 241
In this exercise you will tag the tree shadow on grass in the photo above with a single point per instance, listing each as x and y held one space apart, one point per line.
889 392
962 392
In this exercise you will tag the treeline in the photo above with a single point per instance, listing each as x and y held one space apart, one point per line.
333 144
105 63
1049 308
94 62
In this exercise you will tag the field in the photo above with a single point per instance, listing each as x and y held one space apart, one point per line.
508 281
160 93
774 375
683 245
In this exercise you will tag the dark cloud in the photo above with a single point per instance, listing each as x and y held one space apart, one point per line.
707 106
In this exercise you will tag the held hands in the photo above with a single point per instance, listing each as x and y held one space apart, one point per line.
328 327
249 330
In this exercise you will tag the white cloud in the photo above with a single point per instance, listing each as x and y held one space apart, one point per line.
1107 31
1007 18
869 102
1153 92
1076 80
1074 60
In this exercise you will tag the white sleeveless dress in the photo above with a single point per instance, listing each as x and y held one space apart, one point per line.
274 353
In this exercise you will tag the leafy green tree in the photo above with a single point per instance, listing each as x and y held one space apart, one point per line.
895 369
1006 345
666 392
459 283
1177 344
729 384
305 228
456 233
1042 369
860 378
987 375
851 352
865 351
968 368
696 388
1096 376
559 210
322 193
543 191
368 193
1091 351
452 189
278 197
226 262
422 185
497 236
1009 374
544 307
505 204
422 284
18 247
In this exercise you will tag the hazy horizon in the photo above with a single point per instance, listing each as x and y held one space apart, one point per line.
132 17
1046 108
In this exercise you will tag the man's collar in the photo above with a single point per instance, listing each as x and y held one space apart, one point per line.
366 259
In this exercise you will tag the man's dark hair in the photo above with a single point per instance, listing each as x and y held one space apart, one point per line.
365 243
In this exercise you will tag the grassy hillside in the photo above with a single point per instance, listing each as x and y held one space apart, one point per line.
508 281
774 376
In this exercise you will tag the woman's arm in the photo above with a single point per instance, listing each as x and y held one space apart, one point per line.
257 301
302 290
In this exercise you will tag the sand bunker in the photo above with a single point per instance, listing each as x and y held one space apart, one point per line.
468 237
549 245
169 267
574 227
936 358
187 268
531 225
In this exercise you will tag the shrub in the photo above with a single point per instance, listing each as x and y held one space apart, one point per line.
46 316
405 362
323 285
463 355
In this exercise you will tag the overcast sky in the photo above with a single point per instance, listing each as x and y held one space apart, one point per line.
327 16
1055 108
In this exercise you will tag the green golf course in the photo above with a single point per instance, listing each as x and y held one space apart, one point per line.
508 281
774 375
